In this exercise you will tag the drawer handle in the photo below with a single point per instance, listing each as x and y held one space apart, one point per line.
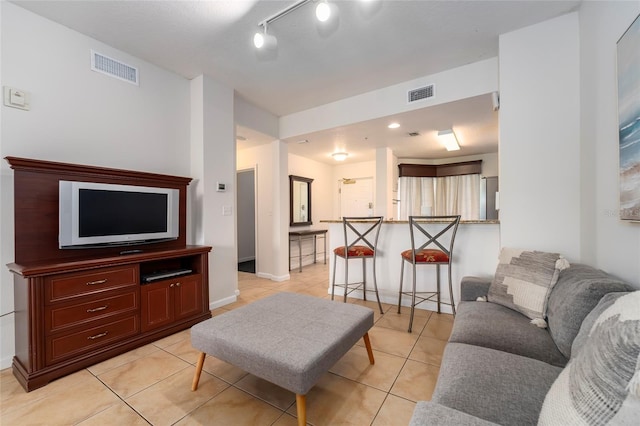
174 284
97 336
97 282
100 308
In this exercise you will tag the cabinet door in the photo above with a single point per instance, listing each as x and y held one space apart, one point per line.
157 304
188 296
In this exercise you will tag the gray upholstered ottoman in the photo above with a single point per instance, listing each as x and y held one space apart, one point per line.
288 339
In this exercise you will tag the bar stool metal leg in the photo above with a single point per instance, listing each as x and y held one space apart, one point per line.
401 283
364 279
375 285
333 281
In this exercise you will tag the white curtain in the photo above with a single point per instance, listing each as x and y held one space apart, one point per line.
448 195
417 197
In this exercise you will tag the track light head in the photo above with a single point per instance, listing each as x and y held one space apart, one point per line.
323 11
262 40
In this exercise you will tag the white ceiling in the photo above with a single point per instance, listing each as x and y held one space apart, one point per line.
372 44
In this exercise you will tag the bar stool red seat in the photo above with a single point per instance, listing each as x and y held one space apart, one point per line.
360 242
432 239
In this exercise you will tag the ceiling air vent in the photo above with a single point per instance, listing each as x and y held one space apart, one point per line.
414 134
421 93
109 66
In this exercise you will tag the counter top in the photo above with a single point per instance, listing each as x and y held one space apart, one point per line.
405 222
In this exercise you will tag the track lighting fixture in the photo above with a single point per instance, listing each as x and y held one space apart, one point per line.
262 40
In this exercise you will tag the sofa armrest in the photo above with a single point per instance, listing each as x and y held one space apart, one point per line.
473 287
433 414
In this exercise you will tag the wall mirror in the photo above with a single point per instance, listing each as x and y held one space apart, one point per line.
299 201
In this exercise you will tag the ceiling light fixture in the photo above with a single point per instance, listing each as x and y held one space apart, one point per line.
264 40
449 140
324 10
393 125
340 156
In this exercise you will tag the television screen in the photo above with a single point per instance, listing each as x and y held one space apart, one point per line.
95 214
119 212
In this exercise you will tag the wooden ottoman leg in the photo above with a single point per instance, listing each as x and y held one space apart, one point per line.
301 406
367 343
196 377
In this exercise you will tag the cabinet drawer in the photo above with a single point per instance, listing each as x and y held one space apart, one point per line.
57 318
63 346
63 287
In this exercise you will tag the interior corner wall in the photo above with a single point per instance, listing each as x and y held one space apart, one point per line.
609 243
261 160
540 137
80 116
213 159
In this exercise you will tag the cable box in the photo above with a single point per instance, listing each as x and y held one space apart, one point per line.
163 275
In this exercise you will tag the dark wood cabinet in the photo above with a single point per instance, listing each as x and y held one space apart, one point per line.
71 315
171 300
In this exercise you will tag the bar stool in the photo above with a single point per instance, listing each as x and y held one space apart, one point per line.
443 234
357 246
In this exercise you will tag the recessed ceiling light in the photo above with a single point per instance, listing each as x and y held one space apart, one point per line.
393 125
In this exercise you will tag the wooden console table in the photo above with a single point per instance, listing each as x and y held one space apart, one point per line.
307 235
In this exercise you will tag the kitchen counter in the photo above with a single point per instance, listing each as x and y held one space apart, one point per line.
475 252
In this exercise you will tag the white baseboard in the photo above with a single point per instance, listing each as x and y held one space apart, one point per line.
273 277
222 302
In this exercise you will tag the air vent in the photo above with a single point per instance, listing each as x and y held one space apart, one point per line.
109 66
413 134
421 93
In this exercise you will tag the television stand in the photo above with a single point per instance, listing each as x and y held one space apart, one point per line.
75 314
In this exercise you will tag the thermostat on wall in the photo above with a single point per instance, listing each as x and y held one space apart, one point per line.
221 187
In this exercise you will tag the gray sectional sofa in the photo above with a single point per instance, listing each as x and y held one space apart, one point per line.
497 367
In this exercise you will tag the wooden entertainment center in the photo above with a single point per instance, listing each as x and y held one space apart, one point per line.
77 307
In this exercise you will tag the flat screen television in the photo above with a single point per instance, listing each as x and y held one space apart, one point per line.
98 214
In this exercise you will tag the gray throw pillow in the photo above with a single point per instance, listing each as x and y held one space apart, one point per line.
601 382
524 279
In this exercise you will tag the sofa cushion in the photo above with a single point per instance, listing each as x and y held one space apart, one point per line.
523 280
496 386
578 291
601 383
429 413
497 327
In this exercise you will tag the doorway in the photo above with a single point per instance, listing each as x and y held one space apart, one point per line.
246 214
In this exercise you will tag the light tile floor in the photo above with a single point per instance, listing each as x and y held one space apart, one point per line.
151 384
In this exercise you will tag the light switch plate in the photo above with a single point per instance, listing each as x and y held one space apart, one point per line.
16 98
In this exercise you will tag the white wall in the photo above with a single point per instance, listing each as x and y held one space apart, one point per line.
321 188
608 242
212 160
540 137
463 82
321 204
80 116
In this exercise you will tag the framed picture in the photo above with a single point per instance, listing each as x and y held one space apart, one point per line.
629 121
